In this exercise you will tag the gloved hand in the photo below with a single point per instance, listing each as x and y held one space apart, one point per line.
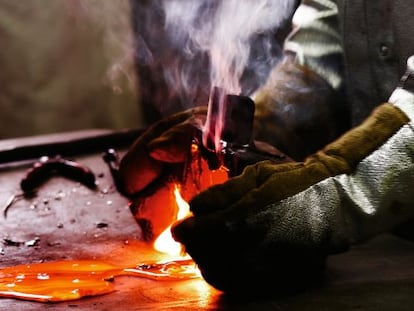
292 113
272 227
165 143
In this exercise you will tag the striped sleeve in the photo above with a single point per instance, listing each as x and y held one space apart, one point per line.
316 40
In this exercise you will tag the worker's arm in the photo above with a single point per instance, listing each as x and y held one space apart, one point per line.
302 106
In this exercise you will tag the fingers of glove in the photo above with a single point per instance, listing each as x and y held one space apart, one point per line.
173 145
137 168
222 249
158 129
294 178
259 186
221 196
165 124
225 195
233 257
198 230
206 240
213 234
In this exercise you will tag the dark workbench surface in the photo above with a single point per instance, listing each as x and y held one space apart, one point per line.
67 218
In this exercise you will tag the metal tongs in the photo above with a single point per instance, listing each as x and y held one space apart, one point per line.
46 168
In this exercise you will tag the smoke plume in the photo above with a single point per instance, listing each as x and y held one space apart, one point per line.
189 46
224 29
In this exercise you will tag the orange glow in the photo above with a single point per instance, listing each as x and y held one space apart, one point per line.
160 208
165 242
69 280
57 281
199 177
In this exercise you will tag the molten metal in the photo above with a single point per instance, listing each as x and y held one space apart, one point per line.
70 280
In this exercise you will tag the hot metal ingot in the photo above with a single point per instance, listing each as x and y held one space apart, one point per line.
228 134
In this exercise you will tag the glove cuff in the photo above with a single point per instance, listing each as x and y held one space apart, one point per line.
344 154
404 100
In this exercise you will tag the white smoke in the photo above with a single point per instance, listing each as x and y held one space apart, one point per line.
181 48
223 29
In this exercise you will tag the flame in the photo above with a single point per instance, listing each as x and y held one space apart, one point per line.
165 242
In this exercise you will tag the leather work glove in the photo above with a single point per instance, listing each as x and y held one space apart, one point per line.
159 160
271 228
164 144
